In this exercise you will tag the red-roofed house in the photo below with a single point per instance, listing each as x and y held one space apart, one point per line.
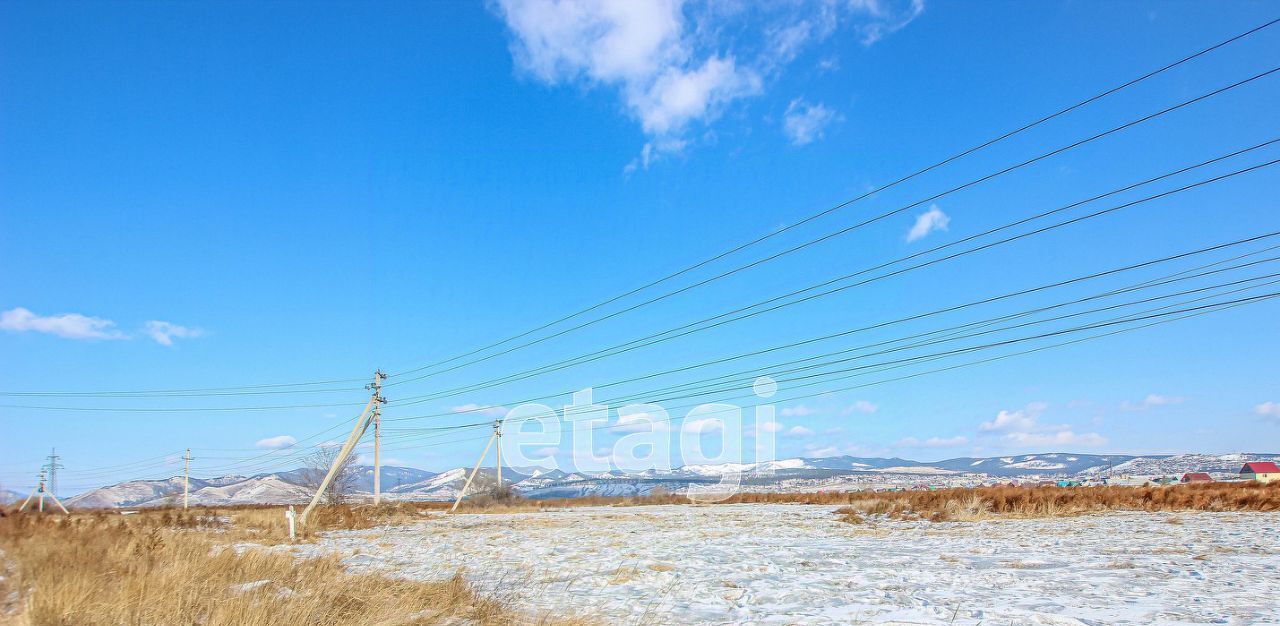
1261 471
1196 477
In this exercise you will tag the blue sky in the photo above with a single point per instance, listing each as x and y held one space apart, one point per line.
216 194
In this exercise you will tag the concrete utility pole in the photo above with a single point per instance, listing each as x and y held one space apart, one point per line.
497 443
186 478
497 432
40 490
362 425
376 386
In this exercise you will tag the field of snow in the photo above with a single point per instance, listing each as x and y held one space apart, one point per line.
788 564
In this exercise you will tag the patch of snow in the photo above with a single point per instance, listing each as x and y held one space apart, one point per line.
789 564
247 587
922 469
1037 464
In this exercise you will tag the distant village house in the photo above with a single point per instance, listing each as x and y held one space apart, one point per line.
1196 477
1261 471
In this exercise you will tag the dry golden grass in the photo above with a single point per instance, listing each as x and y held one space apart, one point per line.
167 567
1031 502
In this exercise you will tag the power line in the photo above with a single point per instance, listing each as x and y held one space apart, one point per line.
197 391
762 370
1175 316
846 203
850 228
694 326
746 312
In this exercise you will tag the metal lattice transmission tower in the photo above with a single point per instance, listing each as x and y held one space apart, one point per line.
51 468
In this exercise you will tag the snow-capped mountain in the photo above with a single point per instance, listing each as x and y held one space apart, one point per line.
10 497
794 475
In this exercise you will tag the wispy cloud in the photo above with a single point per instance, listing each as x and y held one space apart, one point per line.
165 332
638 423
276 443
933 442
1059 438
799 431
860 406
889 16
1022 419
803 123
1269 410
77 326
1152 401
818 451
703 425
800 410
929 221
478 409
65 325
1023 428
677 65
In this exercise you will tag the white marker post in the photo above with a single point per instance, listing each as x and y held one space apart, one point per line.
292 517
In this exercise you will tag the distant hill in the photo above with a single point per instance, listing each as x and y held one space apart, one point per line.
798 474
11 497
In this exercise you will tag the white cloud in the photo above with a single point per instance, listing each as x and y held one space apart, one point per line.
799 431
770 427
821 451
77 326
1060 438
888 16
277 442
547 452
164 332
478 409
861 406
799 410
1020 420
1152 401
65 325
638 423
1270 410
1023 428
703 425
929 221
677 64
803 123
933 442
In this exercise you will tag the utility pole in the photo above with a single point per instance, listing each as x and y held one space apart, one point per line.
362 425
186 478
53 466
376 386
497 442
497 432
42 492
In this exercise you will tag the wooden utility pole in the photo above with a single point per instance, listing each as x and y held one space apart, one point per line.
186 478
378 377
362 425
497 430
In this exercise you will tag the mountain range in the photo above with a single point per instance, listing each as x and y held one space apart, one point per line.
794 475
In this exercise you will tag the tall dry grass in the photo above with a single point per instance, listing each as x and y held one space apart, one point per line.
1028 502
167 567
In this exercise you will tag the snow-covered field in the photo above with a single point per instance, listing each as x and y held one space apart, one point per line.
796 564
